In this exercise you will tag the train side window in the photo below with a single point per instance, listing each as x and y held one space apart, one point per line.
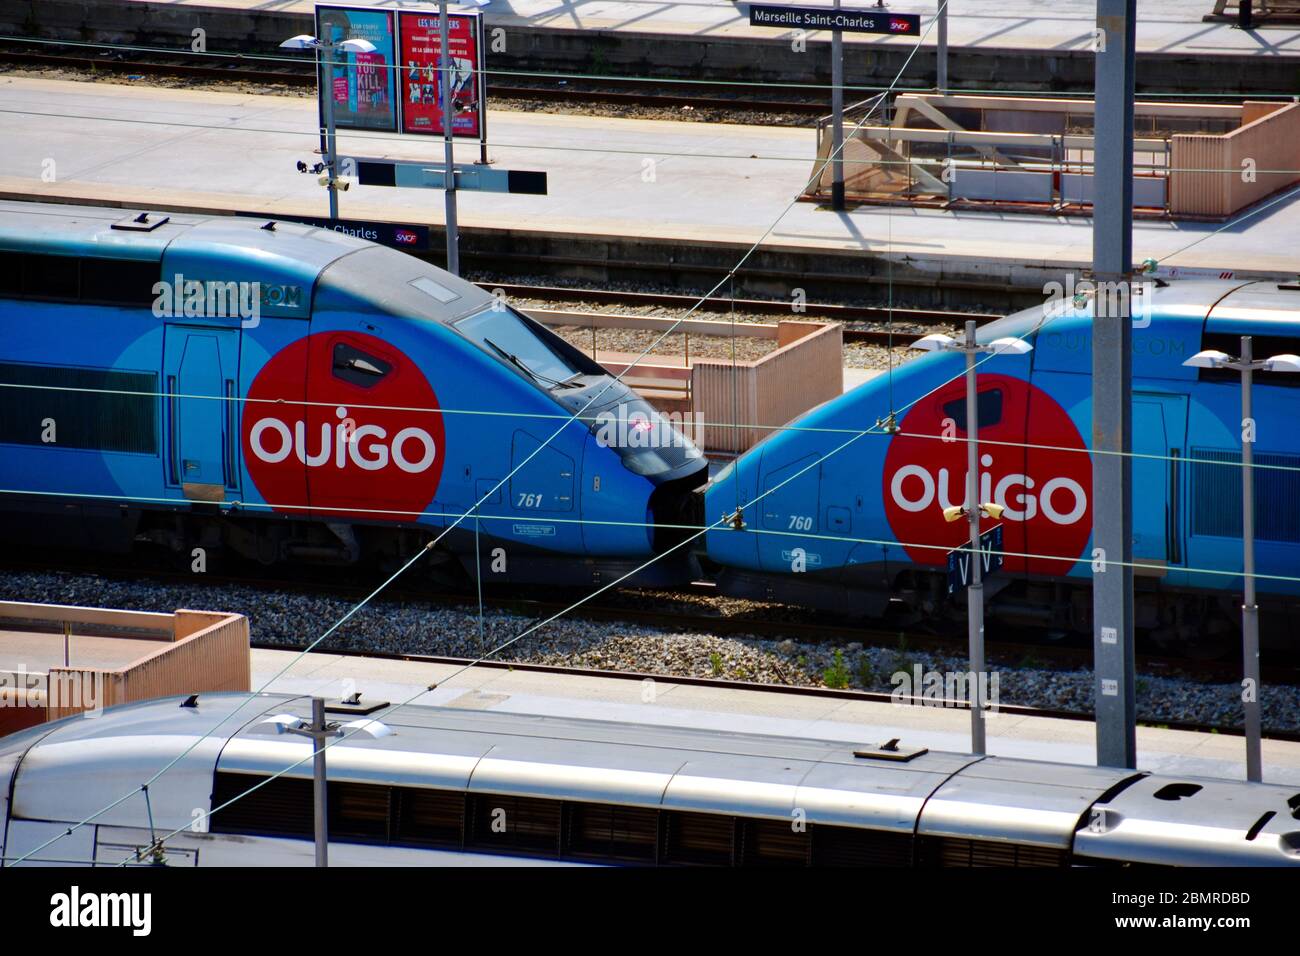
988 407
70 279
609 832
1261 347
53 277
357 367
515 824
118 281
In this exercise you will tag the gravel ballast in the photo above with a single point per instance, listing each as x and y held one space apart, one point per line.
295 618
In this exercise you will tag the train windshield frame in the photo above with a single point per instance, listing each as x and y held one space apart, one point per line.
505 333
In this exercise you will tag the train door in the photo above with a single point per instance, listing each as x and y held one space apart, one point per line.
542 489
788 507
1159 444
200 376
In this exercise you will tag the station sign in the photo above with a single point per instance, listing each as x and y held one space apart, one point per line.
397 88
477 178
397 235
828 18
990 558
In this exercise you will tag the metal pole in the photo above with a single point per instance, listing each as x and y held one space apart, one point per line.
1112 387
318 780
975 594
320 85
329 51
837 118
1249 609
941 82
449 153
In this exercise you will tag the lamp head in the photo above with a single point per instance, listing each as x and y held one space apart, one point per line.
279 724
357 46
935 342
954 513
990 510
1012 346
303 41
1210 358
1282 363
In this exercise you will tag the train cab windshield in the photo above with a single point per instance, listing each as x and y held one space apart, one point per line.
508 335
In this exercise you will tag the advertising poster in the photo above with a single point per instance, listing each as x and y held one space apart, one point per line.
421 83
365 85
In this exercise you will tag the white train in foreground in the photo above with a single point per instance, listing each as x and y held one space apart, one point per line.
436 785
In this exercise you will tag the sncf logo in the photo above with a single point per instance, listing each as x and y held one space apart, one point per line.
344 424
412 449
1045 490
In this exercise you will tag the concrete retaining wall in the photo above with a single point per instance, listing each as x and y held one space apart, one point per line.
700 57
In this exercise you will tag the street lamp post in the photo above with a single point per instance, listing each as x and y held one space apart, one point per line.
326 51
1247 365
837 118
974 509
448 142
941 72
320 732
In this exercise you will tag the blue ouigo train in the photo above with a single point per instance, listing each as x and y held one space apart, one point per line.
857 507
287 393
350 403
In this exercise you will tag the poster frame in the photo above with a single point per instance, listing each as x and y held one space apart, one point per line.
396 126
480 36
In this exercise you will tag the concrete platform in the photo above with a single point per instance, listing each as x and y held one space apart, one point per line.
715 192
753 711
1026 43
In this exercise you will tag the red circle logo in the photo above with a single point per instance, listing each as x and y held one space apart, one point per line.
1046 492
336 423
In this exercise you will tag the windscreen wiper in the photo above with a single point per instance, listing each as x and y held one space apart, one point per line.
518 363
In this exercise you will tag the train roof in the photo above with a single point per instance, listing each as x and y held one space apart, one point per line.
291 255
1224 305
661 767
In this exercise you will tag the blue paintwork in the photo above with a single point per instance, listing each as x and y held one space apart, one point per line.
494 416
1172 410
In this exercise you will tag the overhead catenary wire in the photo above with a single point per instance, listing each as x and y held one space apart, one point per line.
388 138
597 420
744 258
394 514
549 620
720 523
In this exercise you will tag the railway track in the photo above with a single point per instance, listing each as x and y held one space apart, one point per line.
631 93
847 314
811 628
712 625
